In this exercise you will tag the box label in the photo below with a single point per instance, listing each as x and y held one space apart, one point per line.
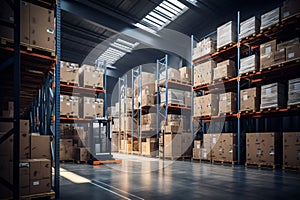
36 183
245 97
291 55
268 50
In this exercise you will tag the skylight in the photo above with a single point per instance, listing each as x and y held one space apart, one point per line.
163 14
117 50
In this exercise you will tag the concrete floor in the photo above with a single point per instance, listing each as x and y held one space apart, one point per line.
145 178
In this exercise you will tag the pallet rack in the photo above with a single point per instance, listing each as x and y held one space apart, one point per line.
287 69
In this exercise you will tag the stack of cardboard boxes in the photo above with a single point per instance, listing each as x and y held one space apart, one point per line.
206 105
92 107
249 27
148 122
204 47
91 76
264 148
69 106
273 95
291 149
294 92
224 70
289 8
250 100
69 73
249 64
173 74
270 18
35 161
225 148
149 147
227 103
185 75
226 34
175 97
203 73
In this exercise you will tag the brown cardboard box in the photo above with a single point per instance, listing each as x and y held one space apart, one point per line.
288 43
148 100
69 72
204 47
66 149
185 74
209 105
293 52
250 99
42 30
227 103
91 76
203 73
249 64
7 126
267 51
92 107
229 147
147 78
172 145
40 146
172 128
40 186
149 118
69 105
289 8
81 154
148 127
24 176
279 56
197 144
225 69
273 95
294 92
175 96
196 153
148 147
173 74
39 168
291 149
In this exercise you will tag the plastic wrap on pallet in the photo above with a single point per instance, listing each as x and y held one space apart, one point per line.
174 97
270 18
225 69
289 8
204 47
227 103
203 73
226 34
273 95
173 74
147 78
294 92
249 27
249 64
187 98
149 118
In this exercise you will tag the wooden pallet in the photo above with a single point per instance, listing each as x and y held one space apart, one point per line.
225 46
201 160
247 111
67 161
224 162
248 37
69 83
261 165
91 117
93 87
69 116
81 162
294 107
248 73
201 85
172 104
45 195
221 79
269 28
104 162
269 109
29 47
290 167
226 114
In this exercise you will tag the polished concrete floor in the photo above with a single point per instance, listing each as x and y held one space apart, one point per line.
145 178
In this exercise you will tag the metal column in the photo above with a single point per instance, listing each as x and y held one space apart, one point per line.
57 101
238 91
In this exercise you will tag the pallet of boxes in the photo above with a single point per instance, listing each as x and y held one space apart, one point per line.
113 114
35 162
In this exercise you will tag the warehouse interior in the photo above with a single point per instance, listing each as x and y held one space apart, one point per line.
144 99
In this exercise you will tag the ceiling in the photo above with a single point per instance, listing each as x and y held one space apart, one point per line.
86 24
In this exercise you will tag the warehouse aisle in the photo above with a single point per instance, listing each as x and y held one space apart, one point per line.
176 182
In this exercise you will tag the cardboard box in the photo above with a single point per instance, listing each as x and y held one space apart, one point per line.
81 154
40 186
207 105
225 69
39 169
149 118
270 18
173 74
197 144
40 146
227 103
291 149
288 43
205 47
249 27
267 51
203 73
293 52
69 72
149 147
185 74
279 56
91 76
172 128
148 127
249 64
66 149
226 34
174 97
172 146
273 95
92 107
294 92
148 100
250 99
188 99
225 148
145 78
69 105
289 8
42 30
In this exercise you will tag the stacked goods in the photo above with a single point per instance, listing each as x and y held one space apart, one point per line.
264 148
173 74
174 97
249 27
225 69
128 123
225 148
92 107
197 149
172 145
226 34
227 103
270 18
288 50
81 154
250 99
294 92
66 149
144 78
206 105
273 95
249 64
129 145
115 126
149 122
128 106
123 145
187 98
69 72
111 111
289 8
204 47
114 143
91 76
37 27
186 144
267 51
40 146
203 73
174 125
147 95
185 75
210 144
149 147
9 112
69 105
291 149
